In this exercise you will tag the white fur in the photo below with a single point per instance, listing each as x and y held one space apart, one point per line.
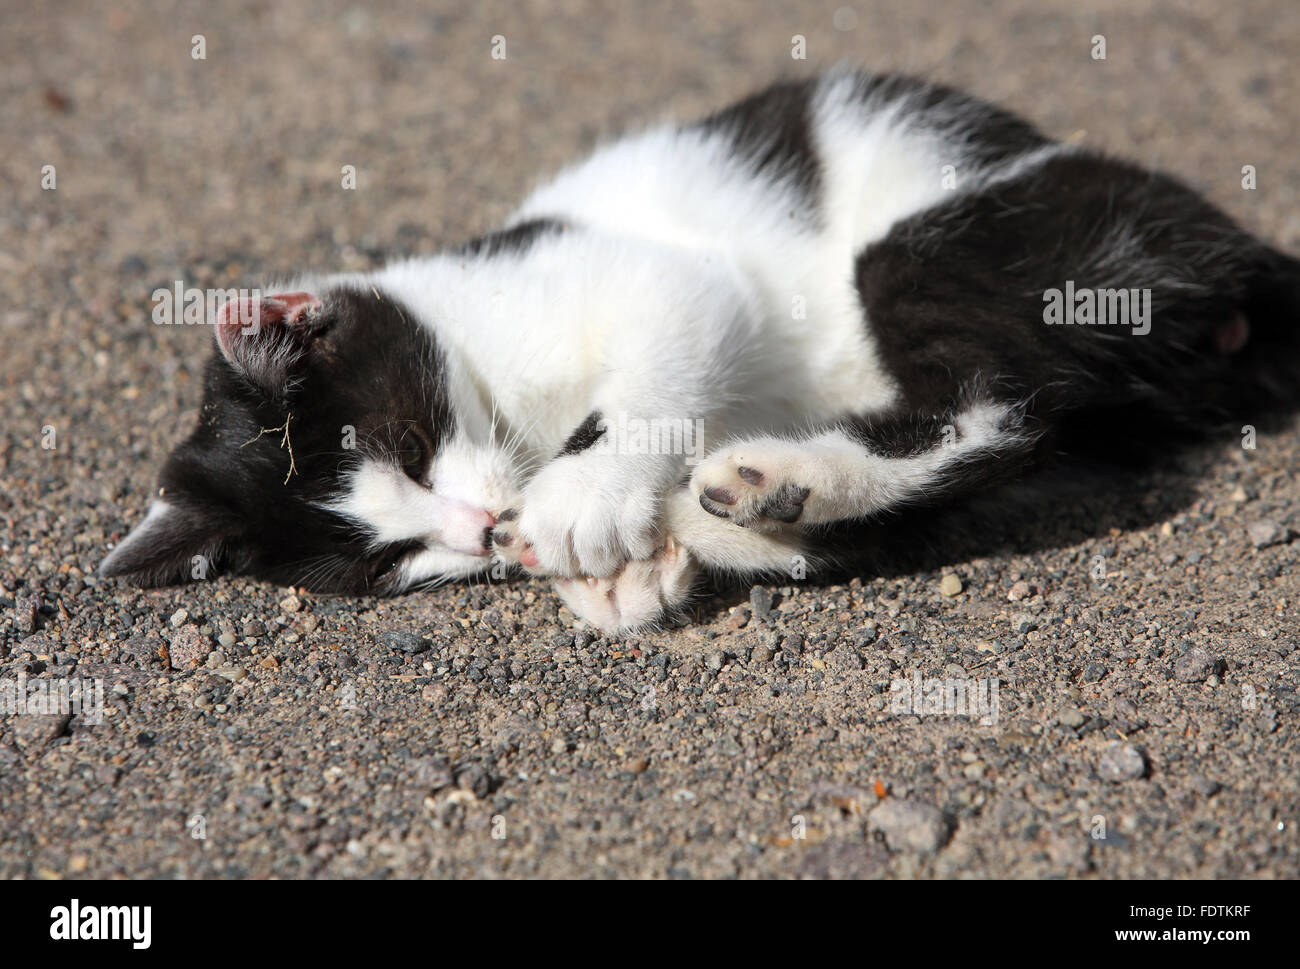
845 481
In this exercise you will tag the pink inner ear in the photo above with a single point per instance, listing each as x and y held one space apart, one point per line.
297 305
245 317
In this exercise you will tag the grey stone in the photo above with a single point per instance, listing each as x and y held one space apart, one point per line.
402 641
33 731
1121 761
1074 719
1195 665
1265 532
25 610
474 779
1023 622
1203 786
909 825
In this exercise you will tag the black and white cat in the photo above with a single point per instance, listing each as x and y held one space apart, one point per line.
839 297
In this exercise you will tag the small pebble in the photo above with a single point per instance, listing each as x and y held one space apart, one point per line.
1203 786
1194 665
909 825
1121 761
34 730
1023 622
189 648
1265 532
1074 719
950 585
402 641
476 780
25 610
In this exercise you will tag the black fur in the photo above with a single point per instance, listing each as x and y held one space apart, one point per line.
512 240
990 134
955 300
772 131
584 436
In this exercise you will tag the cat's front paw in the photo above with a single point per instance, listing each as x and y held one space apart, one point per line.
581 517
751 486
638 596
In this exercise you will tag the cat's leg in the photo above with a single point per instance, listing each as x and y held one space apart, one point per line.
639 594
588 512
670 360
776 487
642 592
860 467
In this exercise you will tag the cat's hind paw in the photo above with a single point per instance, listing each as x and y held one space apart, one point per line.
751 486
639 595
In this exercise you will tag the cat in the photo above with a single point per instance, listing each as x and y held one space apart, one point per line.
710 346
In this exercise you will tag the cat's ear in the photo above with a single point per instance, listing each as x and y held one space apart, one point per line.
265 337
175 543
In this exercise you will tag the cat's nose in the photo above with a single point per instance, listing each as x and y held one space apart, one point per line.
467 529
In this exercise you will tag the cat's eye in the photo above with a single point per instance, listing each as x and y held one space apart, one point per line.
414 452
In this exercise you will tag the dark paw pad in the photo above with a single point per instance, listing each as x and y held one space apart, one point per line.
713 501
785 504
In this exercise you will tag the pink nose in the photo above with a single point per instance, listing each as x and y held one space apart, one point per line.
467 529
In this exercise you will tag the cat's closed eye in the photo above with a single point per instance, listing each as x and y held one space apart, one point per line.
414 453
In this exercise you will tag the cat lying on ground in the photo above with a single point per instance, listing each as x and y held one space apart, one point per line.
837 298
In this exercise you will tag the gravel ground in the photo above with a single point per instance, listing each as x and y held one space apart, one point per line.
1142 633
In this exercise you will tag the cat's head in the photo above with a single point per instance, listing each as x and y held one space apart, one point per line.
337 448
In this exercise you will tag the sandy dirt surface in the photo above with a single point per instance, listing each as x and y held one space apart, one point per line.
1142 634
